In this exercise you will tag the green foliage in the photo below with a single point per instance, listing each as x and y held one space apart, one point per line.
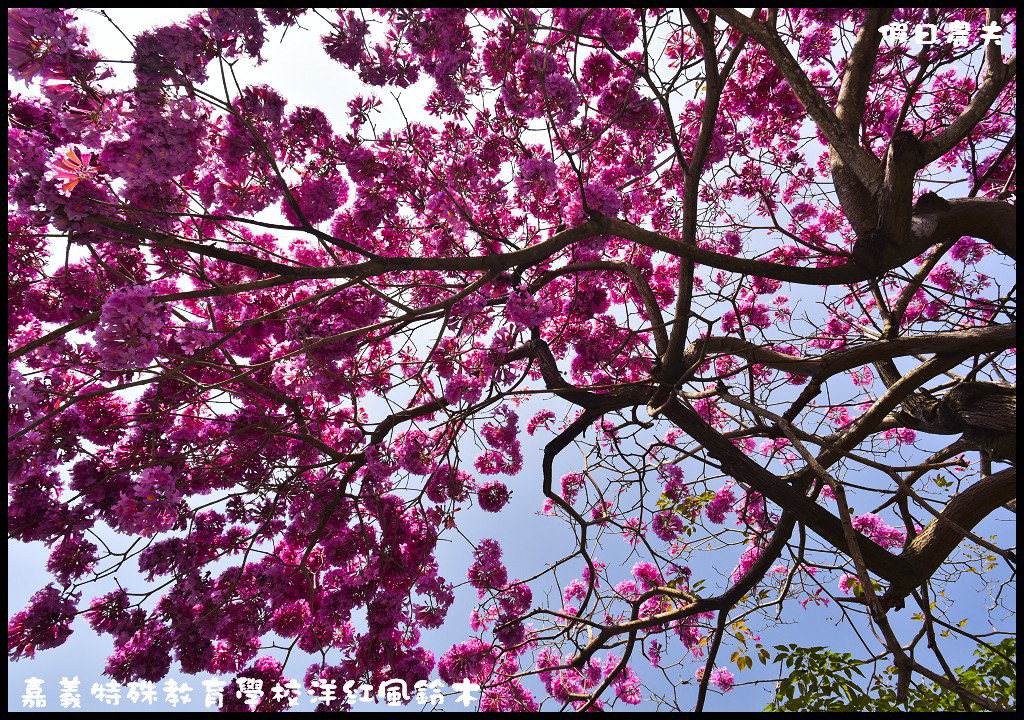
821 680
688 508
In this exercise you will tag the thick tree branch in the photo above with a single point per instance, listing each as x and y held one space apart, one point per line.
868 422
745 470
987 93
165 240
964 510
992 220
856 200
865 168
972 340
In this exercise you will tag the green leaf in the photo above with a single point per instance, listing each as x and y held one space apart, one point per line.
821 680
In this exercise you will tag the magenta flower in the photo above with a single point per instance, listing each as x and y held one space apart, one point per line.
492 496
46 623
722 679
721 503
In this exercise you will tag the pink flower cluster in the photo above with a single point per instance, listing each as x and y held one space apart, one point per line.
504 456
492 496
537 178
345 45
675 487
747 559
463 387
667 525
848 583
525 310
146 655
875 528
414 452
900 436
448 483
171 51
44 624
471 659
541 419
159 147
722 679
487 571
46 42
236 31
317 198
721 503
71 558
131 323
756 314
151 506
633 530
648 575
562 684
440 39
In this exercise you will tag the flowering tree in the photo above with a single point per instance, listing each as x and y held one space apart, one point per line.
748 276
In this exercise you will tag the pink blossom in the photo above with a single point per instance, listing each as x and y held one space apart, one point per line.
415 452
667 525
487 572
492 496
464 388
146 655
862 377
46 623
574 590
946 278
72 558
603 199
130 326
648 575
848 583
525 310
448 483
634 530
317 198
597 69
900 436
471 659
346 43
722 679
542 418
675 488
875 528
510 696
747 560
571 483
967 250
721 503
654 650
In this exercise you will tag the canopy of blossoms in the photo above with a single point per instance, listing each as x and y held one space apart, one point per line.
717 286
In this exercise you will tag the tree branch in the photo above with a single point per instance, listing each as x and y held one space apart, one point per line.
865 168
964 510
980 104
971 340
854 197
